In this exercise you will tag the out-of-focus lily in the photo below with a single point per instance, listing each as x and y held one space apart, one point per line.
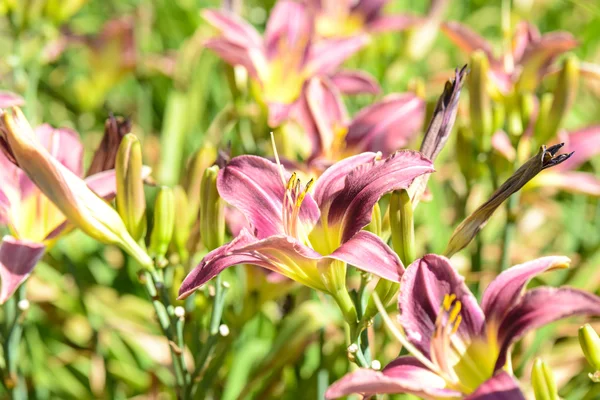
459 349
34 221
287 55
529 59
346 18
385 126
41 187
310 237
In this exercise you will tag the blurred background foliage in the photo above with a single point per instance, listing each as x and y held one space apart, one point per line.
91 332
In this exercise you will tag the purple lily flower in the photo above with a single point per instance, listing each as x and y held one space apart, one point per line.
286 57
34 221
460 348
385 126
529 60
346 18
309 237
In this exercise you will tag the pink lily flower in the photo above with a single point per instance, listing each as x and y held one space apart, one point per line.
459 348
530 58
346 18
385 126
286 57
34 221
310 237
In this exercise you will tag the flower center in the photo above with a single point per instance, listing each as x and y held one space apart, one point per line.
292 201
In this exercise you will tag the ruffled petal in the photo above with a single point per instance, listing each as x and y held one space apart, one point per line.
501 386
403 375
505 291
17 260
350 210
254 186
327 55
355 82
425 284
387 125
369 253
539 307
281 254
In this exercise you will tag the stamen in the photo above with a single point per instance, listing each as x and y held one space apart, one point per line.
455 311
456 325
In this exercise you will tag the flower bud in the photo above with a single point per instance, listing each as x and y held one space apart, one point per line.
80 205
131 199
203 159
480 109
106 153
164 221
375 226
466 231
212 216
563 97
183 224
590 344
402 226
387 291
542 380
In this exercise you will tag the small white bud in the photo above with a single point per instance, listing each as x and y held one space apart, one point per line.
23 305
179 312
353 348
224 330
376 365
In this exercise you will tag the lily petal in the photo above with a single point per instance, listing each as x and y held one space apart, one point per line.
355 82
505 291
289 30
387 125
235 54
9 99
525 34
585 143
351 208
425 284
64 145
234 28
279 253
327 55
254 186
17 260
403 375
501 386
394 23
570 181
542 306
467 40
367 252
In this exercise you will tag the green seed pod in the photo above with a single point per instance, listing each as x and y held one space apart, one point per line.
164 221
212 218
203 159
542 380
131 199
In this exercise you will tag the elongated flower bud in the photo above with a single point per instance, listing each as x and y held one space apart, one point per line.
590 344
203 159
542 380
402 226
563 97
480 109
131 199
467 230
164 221
82 207
212 217
181 232
376 221
105 155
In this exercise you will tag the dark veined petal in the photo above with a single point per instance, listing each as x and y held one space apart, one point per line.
403 375
17 260
506 290
501 386
425 284
254 186
539 307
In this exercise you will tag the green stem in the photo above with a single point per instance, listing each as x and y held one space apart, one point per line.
509 230
13 324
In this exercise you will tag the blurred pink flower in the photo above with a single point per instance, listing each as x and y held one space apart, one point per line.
461 348
309 238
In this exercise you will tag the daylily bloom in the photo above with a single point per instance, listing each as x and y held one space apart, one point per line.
529 59
286 57
385 126
310 237
346 18
41 188
34 221
460 348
